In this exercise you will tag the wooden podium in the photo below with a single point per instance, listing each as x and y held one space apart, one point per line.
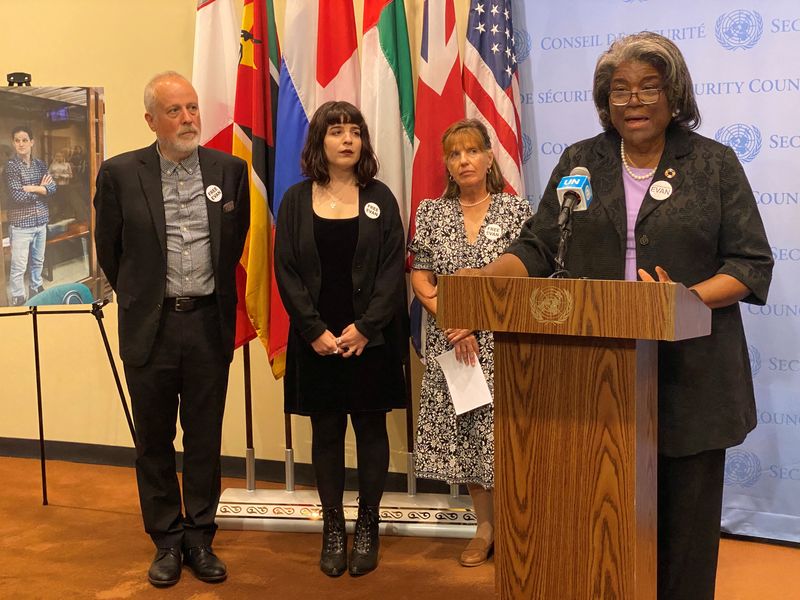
575 389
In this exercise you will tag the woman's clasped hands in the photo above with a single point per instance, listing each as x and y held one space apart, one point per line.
350 342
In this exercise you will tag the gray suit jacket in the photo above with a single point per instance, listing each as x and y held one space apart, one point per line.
709 224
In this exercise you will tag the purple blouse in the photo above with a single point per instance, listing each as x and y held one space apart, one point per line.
635 191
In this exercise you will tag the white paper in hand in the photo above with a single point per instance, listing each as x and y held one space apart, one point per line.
467 384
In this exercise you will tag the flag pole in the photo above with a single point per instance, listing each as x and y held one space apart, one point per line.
250 456
411 480
289 452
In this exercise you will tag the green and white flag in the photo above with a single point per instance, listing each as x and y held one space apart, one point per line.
387 95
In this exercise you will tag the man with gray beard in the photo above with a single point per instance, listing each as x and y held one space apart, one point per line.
171 223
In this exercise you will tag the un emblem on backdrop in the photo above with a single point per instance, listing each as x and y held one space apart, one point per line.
755 359
527 148
739 29
522 44
742 468
744 139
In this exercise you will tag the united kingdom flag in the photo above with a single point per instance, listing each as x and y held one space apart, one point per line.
491 83
440 101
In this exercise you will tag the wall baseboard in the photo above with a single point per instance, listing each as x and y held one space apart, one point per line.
232 466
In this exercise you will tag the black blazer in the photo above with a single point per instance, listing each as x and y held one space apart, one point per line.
130 235
379 298
710 224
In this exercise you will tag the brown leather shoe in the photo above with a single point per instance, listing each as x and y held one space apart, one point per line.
476 553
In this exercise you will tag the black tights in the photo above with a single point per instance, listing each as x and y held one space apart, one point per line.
327 455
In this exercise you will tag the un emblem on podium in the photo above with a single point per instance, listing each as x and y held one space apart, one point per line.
739 29
742 468
551 305
744 139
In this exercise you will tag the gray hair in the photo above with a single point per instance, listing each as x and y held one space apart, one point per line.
661 54
150 88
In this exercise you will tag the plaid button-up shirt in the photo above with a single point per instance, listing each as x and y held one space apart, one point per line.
27 209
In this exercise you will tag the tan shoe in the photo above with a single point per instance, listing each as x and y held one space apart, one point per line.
476 553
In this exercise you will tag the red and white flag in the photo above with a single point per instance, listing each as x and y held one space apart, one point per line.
216 60
338 73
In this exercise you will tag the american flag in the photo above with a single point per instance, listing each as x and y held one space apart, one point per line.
491 83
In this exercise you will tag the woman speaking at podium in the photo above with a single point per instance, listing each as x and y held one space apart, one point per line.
668 205
339 263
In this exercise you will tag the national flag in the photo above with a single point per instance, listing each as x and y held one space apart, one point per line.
491 84
387 95
319 64
440 100
216 55
254 141
216 59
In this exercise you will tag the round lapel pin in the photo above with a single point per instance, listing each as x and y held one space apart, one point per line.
661 190
213 193
493 231
372 210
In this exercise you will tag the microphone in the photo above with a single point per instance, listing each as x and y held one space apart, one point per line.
574 193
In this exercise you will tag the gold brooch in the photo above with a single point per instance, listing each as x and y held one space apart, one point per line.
670 173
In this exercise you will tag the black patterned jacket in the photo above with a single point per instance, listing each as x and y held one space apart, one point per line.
709 224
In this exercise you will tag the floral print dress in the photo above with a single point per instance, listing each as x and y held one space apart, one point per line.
458 449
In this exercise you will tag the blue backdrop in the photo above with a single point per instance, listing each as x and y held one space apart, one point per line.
745 64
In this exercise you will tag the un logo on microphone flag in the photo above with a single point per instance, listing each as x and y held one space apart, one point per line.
739 29
742 468
744 139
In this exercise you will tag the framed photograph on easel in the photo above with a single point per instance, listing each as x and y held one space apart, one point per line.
51 144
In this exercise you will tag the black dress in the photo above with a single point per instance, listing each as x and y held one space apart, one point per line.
315 383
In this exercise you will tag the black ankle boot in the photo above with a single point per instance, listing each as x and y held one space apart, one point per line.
333 560
364 556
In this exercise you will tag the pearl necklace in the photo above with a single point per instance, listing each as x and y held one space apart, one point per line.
485 198
647 175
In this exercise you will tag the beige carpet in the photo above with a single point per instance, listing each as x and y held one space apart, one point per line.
89 544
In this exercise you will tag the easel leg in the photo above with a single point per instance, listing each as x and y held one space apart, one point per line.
42 457
97 311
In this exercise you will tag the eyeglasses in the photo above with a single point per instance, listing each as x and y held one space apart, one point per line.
623 97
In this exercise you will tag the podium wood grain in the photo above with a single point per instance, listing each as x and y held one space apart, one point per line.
575 427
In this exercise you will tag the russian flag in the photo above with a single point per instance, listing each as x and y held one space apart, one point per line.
308 77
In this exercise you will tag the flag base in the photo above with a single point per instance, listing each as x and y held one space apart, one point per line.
423 515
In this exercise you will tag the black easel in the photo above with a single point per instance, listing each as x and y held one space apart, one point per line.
97 312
